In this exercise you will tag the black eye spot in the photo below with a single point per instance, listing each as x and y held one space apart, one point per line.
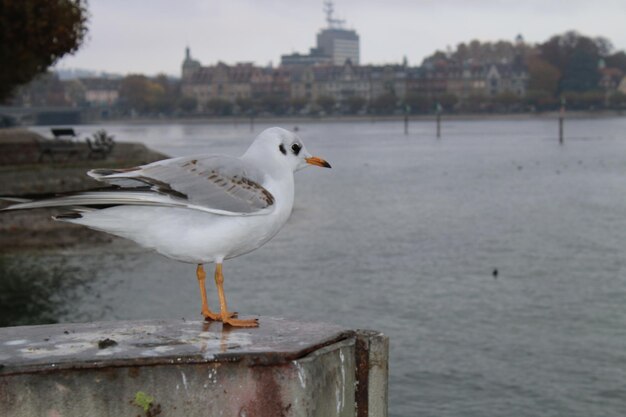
296 148
282 149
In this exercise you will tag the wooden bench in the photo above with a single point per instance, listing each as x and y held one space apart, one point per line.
62 144
64 132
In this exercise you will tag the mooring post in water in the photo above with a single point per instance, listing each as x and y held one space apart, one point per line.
438 120
407 110
561 117
251 122
182 368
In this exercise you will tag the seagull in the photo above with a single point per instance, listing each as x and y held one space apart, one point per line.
196 209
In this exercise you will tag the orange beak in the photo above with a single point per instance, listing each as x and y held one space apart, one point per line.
314 160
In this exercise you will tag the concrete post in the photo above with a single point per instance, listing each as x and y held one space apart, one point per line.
192 368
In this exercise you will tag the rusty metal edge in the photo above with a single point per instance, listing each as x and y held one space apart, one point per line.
362 370
248 359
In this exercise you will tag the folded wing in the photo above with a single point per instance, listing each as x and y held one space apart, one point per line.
217 184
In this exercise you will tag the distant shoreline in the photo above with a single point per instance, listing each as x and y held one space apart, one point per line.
363 118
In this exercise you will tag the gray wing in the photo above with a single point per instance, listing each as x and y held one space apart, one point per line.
215 182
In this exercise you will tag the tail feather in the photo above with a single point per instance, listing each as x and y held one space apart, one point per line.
102 198
14 200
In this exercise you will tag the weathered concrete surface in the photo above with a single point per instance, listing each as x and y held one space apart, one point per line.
183 368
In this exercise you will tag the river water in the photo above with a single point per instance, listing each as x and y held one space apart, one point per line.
403 235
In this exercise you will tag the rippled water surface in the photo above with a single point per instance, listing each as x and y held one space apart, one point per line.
403 236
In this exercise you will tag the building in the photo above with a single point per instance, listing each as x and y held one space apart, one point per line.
466 79
507 77
335 45
335 41
221 81
388 80
314 57
341 82
340 44
432 78
269 83
302 83
622 86
101 91
441 75
610 78
332 71
189 65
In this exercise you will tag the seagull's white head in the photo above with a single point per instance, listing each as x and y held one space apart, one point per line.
280 148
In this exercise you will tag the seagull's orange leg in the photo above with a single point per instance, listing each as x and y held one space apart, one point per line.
225 315
208 314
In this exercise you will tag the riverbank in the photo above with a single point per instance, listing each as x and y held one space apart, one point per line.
22 176
294 120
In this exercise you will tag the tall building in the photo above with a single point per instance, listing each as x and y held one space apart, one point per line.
337 42
190 66
335 45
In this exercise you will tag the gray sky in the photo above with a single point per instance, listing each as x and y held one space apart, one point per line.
131 36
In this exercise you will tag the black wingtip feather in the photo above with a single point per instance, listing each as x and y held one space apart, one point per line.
68 216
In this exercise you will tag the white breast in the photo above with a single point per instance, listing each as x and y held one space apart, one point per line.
194 236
